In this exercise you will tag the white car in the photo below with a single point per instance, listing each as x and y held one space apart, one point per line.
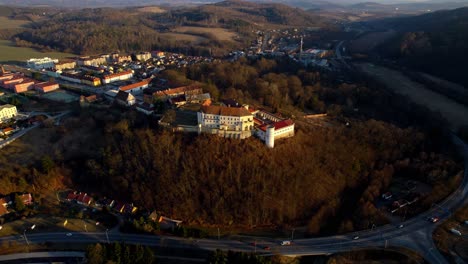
356 237
286 243
69 234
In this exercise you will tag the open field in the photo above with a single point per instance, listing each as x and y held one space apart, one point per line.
152 9
183 37
455 113
9 53
219 33
6 23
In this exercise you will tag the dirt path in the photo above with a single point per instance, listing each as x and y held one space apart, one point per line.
455 113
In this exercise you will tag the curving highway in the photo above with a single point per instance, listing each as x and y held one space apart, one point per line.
416 234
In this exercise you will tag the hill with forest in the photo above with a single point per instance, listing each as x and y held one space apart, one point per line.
436 43
101 30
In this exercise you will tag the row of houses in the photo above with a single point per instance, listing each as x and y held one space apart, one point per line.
79 77
7 202
86 61
119 207
18 83
86 200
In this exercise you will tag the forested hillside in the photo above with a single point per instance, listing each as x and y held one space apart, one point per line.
436 43
103 30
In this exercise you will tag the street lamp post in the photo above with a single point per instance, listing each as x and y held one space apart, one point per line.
107 235
24 233
25 237
292 234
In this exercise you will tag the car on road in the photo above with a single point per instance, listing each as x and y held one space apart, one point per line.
286 243
400 226
433 219
356 237
266 248
69 234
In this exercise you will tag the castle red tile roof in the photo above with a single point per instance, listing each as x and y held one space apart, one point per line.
278 125
225 111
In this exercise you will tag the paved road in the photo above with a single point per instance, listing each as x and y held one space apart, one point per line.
339 56
49 254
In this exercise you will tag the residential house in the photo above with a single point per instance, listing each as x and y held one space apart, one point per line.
85 101
125 208
7 112
154 216
3 210
143 56
90 80
109 203
84 199
45 87
125 99
24 86
168 223
7 76
158 54
176 92
9 83
119 76
26 198
90 61
70 77
64 65
136 88
145 108
7 131
178 101
72 196
111 94
198 98
92 69
6 201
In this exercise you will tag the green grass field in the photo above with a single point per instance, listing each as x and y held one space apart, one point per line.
10 53
6 23
183 37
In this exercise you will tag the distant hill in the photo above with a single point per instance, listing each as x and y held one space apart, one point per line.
196 29
235 12
436 43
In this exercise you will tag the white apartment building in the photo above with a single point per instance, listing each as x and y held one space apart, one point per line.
7 112
44 63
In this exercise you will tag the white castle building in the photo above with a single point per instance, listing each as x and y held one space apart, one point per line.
239 122
230 122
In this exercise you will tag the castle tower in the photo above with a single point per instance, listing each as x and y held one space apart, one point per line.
270 137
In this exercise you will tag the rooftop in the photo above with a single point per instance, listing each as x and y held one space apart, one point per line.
225 111
134 85
7 106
